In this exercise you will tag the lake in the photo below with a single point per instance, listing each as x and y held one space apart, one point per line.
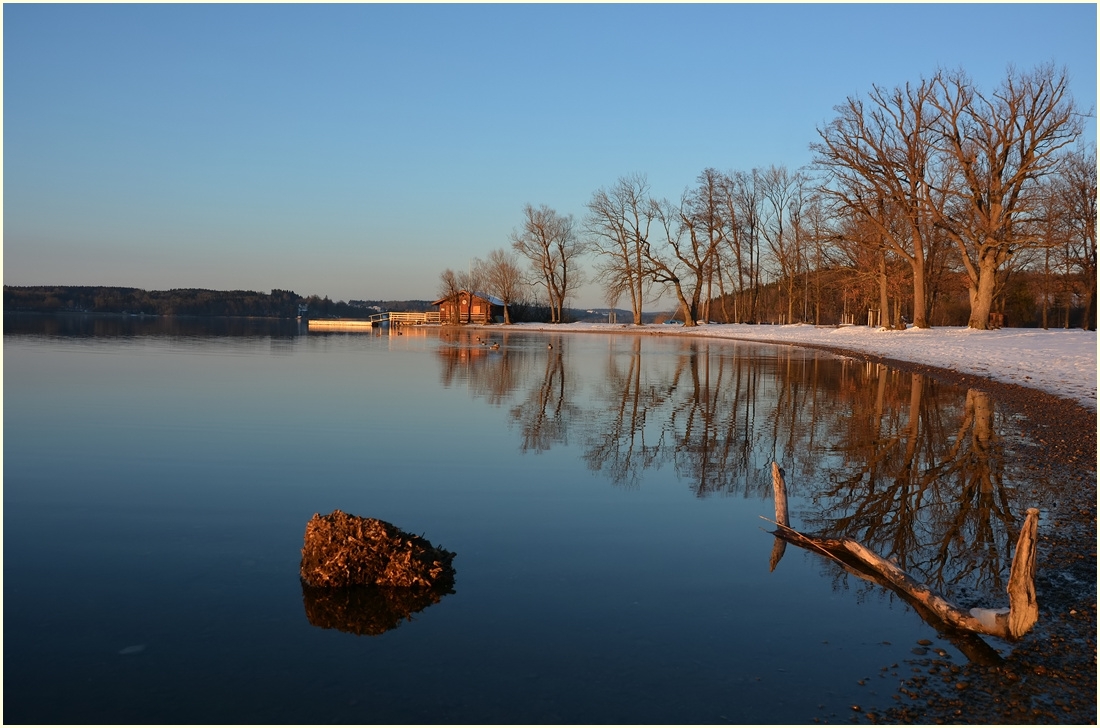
603 495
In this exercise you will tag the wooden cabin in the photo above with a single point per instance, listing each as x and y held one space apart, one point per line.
477 308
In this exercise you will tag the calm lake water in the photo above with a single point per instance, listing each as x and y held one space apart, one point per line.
603 497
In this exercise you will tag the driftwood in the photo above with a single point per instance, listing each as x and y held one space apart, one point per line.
1011 623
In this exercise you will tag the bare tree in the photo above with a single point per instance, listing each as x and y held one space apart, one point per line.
1078 181
703 210
881 163
503 278
449 288
668 266
742 200
783 194
819 226
617 224
472 280
998 146
549 242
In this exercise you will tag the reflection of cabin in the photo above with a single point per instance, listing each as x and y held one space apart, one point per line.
478 308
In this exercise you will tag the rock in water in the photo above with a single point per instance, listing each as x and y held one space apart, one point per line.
344 550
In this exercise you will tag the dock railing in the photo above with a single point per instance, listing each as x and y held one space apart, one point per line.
412 317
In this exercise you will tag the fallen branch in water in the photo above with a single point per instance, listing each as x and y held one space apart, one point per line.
1011 623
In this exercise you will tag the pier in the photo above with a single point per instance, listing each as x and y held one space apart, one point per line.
388 318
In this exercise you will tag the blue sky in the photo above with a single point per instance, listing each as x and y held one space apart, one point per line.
356 151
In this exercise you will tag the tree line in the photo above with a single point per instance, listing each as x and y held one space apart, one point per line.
931 201
175 302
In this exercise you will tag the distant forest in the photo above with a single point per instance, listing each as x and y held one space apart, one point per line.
190 302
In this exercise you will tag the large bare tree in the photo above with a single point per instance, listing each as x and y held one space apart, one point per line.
881 164
503 278
549 241
618 224
999 146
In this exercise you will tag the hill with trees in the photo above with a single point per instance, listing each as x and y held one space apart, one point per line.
190 302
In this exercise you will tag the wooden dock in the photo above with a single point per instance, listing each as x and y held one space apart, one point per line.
389 318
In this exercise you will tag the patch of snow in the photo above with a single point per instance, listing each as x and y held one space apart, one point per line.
988 617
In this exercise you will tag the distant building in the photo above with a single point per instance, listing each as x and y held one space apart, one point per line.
479 308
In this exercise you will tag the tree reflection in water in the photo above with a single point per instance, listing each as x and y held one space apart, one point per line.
616 443
550 410
904 464
493 374
923 484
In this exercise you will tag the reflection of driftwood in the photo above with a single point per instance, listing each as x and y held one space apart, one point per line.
782 516
366 610
1011 623
342 550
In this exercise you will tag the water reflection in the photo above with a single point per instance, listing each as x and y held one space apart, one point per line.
99 326
366 610
617 443
493 374
910 467
923 485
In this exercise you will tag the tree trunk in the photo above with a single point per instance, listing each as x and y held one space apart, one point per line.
920 301
636 293
981 292
883 299
1046 288
685 306
1090 295
790 300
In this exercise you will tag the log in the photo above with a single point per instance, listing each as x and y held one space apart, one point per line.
779 485
1011 623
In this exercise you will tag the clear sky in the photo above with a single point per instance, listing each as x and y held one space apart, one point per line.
356 151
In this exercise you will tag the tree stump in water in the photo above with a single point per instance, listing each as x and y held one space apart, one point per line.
343 550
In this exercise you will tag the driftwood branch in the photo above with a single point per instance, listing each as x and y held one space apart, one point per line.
1011 623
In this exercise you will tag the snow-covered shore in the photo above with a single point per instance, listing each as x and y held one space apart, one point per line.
1058 361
